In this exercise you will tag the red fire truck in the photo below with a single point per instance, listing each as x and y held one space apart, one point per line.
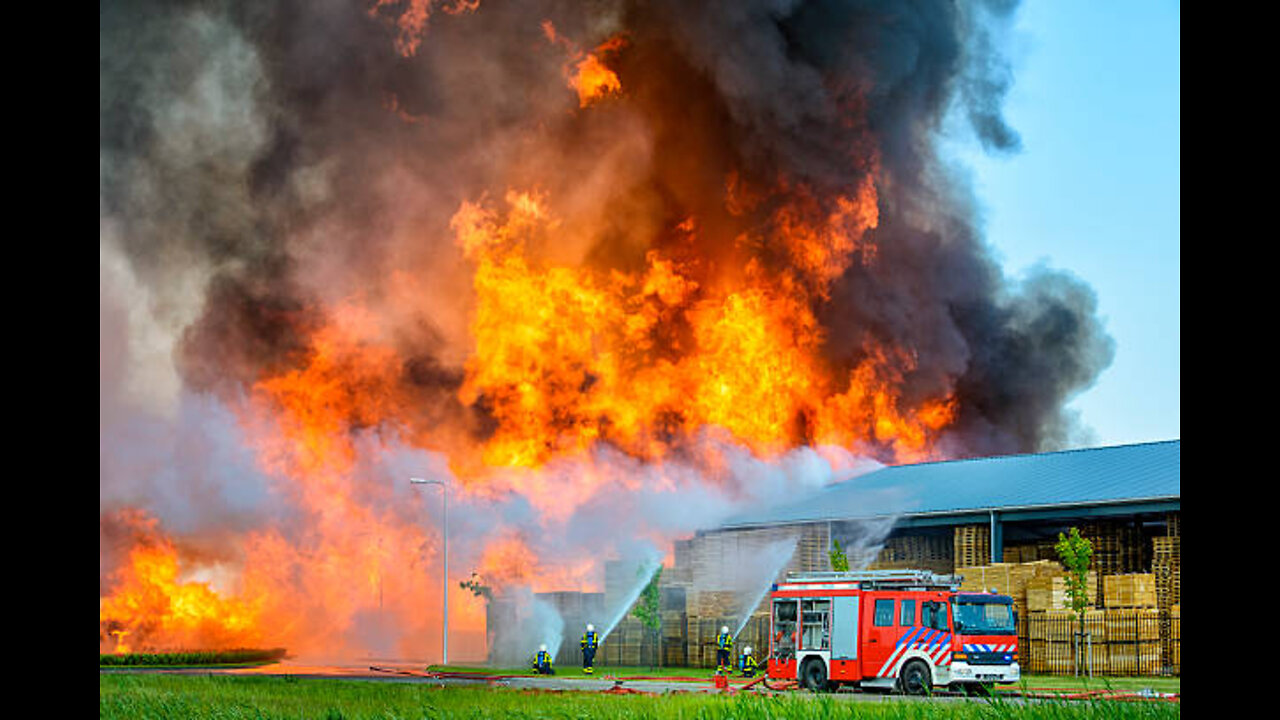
905 630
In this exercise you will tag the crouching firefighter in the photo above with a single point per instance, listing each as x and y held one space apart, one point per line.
724 650
747 663
542 662
590 641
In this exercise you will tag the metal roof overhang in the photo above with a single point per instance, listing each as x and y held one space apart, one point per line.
968 516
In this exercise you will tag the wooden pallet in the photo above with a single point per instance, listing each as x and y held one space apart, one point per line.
1049 592
972 546
1135 590
1166 566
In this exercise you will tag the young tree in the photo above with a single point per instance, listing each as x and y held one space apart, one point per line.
1076 554
648 609
839 561
477 588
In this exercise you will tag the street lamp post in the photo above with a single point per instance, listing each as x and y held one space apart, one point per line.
444 495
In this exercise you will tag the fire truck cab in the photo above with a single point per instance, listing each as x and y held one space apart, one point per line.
904 630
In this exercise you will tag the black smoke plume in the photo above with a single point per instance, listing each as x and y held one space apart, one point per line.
257 160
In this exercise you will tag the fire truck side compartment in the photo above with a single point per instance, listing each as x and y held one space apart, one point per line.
844 628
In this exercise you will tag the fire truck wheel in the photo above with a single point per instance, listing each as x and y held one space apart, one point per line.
915 679
814 675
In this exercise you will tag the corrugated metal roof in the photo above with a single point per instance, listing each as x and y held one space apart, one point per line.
1118 474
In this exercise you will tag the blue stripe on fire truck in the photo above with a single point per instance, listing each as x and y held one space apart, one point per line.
935 643
907 636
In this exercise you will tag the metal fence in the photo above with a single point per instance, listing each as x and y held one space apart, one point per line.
1103 642
1108 642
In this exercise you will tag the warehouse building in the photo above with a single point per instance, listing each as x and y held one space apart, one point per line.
994 521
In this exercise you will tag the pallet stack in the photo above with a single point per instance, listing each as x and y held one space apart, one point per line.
972 545
1133 639
1116 642
710 567
1030 552
1119 548
1048 591
1053 647
674 630
702 642
755 635
1010 579
917 552
1134 590
1006 578
1166 566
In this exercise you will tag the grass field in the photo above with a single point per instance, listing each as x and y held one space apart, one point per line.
1065 683
218 697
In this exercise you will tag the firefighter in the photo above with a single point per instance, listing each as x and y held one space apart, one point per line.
724 650
590 641
542 662
747 663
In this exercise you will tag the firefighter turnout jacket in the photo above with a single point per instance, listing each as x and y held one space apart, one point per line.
542 662
724 641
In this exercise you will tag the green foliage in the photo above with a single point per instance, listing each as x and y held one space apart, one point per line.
839 561
476 587
1076 554
190 658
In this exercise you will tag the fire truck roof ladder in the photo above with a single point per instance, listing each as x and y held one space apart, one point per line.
881 579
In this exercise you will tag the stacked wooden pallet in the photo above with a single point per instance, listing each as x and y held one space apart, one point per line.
1166 566
1054 647
1134 590
623 646
812 548
755 635
1133 636
1115 642
924 552
715 604
1006 578
1118 547
1048 591
972 545
1030 552
702 642
680 572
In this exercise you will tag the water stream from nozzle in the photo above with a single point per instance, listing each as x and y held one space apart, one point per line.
645 573
771 560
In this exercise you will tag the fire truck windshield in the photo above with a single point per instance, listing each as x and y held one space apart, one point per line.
983 615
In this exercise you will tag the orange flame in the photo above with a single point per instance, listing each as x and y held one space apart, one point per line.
586 72
152 600
563 357
412 20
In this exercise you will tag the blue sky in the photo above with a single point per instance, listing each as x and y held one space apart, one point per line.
1095 190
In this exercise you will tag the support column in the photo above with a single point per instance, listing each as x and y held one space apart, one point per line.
997 538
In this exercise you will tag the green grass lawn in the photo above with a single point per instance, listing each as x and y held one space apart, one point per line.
215 697
1066 683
